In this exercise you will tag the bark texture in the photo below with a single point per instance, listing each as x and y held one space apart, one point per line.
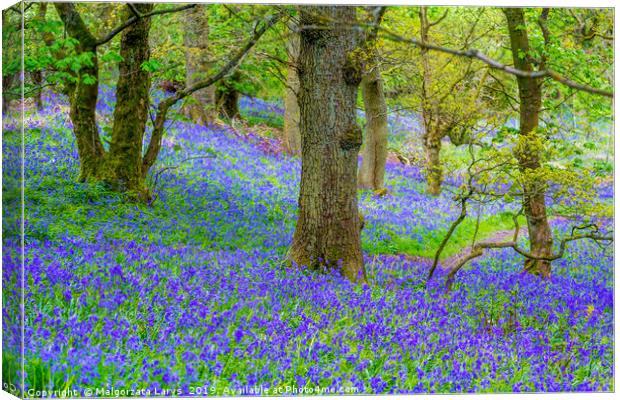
227 97
83 97
327 234
530 99
433 131
124 169
374 155
198 63
291 137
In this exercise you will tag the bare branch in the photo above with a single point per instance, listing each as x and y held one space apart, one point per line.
135 19
134 10
445 14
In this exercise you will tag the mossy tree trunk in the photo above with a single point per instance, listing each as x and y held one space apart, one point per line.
227 97
328 227
374 155
291 135
198 63
431 139
530 100
124 160
121 167
83 95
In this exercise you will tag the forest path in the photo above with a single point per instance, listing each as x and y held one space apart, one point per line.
451 262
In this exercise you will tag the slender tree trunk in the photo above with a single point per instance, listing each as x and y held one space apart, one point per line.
7 79
431 139
198 63
124 168
7 82
530 99
328 228
227 99
374 155
291 134
37 80
83 96
434 170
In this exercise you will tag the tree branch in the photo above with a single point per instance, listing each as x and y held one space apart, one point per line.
135 19
134 10
162 109
473 53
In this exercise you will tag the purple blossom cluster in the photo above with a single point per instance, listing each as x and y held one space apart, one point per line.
192 292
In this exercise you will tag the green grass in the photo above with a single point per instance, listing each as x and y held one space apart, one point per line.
461 238
272 121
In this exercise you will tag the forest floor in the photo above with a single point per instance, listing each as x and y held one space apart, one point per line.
191 291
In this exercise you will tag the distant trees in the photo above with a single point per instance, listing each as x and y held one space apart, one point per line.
125 165
327 234
198 63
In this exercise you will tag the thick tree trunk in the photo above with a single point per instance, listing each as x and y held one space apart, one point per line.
198 63
124 160
374 155
327 233
83 97
291 135
530 99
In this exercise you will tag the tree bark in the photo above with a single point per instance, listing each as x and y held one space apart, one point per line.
291 135
124 169
82 96
431 139
374 155
227 98
434 170
327 234
530 100
37 81
198 63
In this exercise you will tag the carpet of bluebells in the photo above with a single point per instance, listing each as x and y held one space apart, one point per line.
191 294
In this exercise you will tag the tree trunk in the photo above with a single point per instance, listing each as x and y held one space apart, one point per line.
82 96
374 155
227 100
37 81
7 82
291 134
327 234
434 170
431 139
198 63
530 99
124 161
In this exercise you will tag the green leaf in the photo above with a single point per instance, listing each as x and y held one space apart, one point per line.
151 66
112 56
88 79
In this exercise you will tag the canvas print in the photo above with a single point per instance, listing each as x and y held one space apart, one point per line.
259 199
